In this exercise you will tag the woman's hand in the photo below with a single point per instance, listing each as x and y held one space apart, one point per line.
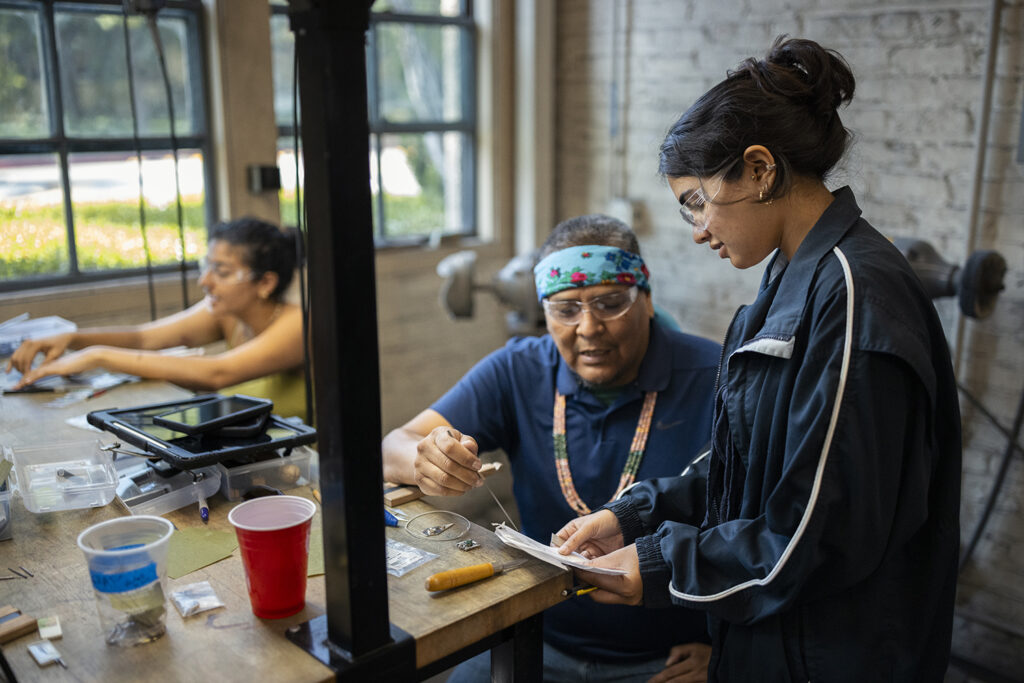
686 663
73 363
446 463
616 589
52 347
594 535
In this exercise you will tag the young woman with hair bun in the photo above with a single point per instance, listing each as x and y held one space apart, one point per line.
828 549
247 269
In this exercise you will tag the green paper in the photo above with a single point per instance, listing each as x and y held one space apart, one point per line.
5 469
315 566
196 547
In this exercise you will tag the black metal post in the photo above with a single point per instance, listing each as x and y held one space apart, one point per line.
330 45
520 657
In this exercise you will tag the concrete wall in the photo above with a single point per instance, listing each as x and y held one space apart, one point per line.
919 67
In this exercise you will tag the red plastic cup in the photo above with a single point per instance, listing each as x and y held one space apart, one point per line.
273 534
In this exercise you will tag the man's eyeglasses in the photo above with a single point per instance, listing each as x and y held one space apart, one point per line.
605 307
222 271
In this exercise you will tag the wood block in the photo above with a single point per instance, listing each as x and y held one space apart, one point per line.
12 626
396 494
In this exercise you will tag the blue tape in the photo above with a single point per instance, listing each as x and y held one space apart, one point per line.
124 581
106 578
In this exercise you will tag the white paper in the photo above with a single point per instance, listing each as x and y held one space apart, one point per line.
547 553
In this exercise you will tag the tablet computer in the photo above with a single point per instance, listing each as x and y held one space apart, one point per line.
212 415
137 427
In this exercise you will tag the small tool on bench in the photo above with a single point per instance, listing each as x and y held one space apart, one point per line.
463 575
14 624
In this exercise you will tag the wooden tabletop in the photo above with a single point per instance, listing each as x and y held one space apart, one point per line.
229 643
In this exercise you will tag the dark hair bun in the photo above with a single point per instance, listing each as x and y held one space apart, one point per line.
818 76
787 102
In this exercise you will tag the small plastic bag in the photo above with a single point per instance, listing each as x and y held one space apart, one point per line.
195 598
402 558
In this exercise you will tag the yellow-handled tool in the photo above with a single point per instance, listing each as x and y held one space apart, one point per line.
451 578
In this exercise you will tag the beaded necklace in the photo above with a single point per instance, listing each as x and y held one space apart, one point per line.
636 451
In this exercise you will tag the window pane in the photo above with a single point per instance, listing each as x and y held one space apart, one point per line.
148 80
105 198
425 184
33 236
420 72
23 108
444 8
286 165
94 81
282 46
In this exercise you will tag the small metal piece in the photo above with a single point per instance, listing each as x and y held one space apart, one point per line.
15 571
468 544
438 529
116 449
7 578
25 570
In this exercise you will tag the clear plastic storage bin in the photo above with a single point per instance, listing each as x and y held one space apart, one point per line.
298 469
143 491
5 511
62 476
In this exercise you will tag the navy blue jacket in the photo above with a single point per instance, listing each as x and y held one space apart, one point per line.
837 558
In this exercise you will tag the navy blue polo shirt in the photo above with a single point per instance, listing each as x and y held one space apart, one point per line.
506 402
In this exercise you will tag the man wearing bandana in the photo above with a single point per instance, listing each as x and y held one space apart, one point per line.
612 394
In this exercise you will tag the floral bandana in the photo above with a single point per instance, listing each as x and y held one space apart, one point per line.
591 264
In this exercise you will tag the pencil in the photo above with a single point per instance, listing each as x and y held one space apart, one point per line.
577 592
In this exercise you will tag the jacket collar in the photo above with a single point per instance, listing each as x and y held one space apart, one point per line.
654 374
787 304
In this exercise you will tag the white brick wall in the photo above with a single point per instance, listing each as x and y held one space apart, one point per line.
919 68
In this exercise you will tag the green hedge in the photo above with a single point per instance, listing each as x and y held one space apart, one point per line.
33 241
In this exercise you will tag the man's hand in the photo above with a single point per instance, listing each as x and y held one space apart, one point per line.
446 463
595 535
51 347
685 664
616 589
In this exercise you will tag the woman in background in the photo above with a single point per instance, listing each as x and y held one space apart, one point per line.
248 267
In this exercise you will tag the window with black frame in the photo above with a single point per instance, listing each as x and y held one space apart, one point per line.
421 73
83 138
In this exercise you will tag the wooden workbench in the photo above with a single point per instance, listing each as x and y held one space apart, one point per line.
228 643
